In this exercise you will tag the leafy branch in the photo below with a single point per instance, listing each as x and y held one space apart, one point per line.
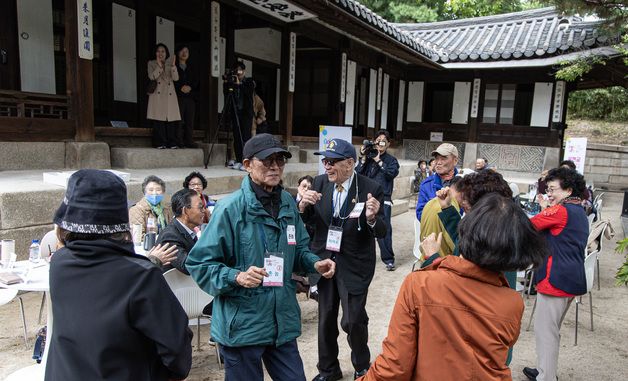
622 273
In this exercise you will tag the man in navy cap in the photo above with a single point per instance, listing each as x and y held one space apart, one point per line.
344 208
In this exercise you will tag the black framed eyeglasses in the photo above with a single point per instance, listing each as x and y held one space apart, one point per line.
331 162
268 162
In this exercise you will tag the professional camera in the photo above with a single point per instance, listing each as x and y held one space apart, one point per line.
230 76
370 149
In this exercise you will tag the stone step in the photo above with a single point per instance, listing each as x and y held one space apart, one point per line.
307 156
142 158
399 207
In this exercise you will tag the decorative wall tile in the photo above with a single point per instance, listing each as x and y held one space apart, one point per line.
422 149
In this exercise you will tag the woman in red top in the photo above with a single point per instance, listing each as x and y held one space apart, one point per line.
561 277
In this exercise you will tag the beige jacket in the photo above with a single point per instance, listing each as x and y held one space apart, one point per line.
139 213
259 112
163 104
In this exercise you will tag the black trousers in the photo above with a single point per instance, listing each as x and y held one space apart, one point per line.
165 133
187 108
332 294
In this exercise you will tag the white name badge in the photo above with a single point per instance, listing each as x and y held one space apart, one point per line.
273 264
357 210
334 238
292 235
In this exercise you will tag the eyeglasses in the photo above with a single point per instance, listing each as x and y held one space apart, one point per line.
194 185
551 190
331 162
268 162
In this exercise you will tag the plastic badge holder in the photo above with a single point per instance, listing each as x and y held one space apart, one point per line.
273 264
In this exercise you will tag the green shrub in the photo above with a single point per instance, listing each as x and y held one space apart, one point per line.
610 104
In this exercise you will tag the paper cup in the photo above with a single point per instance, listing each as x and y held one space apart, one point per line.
8 248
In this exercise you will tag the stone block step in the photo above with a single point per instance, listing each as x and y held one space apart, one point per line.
143 158
307 156
399 207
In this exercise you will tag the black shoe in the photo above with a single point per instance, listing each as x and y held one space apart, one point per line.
531 373
314 295
359 374
333 377
390 266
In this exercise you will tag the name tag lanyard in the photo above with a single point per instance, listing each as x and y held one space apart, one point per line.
343 208
273 263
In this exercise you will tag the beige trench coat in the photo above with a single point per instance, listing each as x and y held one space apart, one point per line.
163 104
139 213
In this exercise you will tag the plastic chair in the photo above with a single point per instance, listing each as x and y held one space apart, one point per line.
416 249
589 270
193 299
6 295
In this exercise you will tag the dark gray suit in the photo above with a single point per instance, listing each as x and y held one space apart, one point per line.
355 266
175 234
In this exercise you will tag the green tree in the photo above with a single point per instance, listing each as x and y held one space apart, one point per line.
460 9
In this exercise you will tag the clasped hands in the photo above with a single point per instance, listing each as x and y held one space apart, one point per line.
311 197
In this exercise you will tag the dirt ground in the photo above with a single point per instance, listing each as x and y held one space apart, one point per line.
601 354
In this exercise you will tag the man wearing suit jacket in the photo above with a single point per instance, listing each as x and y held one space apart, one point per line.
344 209
188 214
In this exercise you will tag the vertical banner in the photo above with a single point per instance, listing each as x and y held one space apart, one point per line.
380 78
343 78
85 29
400 104
350 99
559 100
326 134
215 39
475 97
576 151
293 61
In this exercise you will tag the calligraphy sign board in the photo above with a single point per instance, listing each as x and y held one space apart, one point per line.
280 9
215 39
85 29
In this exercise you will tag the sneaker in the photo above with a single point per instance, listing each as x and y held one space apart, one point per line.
390 266
237 166
174 147
161 147
231 163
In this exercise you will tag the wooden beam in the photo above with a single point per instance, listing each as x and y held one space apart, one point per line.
35 129
286 97
79 79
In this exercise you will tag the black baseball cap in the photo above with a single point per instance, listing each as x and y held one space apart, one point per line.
263 145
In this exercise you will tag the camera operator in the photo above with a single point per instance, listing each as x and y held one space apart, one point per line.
382 167
242 89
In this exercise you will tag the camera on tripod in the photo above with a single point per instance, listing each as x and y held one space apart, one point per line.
230 77
370 149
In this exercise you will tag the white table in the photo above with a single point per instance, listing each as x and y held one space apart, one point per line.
36 281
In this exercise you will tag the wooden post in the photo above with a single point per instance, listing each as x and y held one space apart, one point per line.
286 97
144 35
79 80
208 84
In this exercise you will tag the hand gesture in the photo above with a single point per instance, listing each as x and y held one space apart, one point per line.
444 197
252 277
186 89
310 197
166 253
431 244
372 207
326 268
376 158
542 201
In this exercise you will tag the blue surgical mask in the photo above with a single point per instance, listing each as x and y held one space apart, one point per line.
154 199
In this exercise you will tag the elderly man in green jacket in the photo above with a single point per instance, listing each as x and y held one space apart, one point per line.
245 258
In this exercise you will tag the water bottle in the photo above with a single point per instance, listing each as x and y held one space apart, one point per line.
34 252
151 225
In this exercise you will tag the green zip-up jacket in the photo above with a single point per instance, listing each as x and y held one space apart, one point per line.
231 243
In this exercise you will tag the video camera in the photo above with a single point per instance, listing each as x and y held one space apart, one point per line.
231 77
370 149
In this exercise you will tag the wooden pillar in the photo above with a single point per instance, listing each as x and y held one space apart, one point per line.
286 97
208 85
79 79
144 32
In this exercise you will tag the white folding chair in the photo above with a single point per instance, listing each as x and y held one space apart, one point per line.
416 249
193 299
589 270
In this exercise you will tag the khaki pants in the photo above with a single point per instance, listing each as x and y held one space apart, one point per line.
550 312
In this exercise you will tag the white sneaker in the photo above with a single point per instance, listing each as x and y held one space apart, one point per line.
237 166
231 163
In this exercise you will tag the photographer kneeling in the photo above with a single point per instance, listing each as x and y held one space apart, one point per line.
382 167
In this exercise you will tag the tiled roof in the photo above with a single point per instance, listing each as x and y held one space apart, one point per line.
537 33
368 16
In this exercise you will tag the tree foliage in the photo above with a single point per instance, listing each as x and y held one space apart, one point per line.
609 104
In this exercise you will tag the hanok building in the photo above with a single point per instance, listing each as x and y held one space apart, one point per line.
74 72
